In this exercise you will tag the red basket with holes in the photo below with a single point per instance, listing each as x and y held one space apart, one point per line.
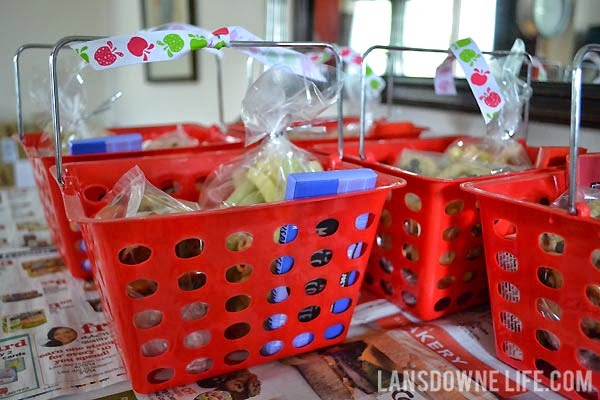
66 236
185 305
543 271
428 258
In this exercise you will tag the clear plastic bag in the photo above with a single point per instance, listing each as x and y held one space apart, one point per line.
75 115
490 150
587 201
277 99
174 139
134 196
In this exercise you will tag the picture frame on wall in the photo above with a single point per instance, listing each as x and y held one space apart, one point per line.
160 12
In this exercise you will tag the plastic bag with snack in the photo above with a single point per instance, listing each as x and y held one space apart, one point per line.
277 99
587 201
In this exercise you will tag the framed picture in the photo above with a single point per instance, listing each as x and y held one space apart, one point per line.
160 12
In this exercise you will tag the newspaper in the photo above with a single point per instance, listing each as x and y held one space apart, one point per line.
55 343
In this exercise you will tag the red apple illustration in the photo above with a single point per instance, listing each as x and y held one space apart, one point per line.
139 47
479 77
344 52
107 55
491 99
221 31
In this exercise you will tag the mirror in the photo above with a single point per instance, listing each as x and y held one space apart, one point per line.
553 30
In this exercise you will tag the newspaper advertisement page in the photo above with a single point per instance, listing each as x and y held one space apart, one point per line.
54 338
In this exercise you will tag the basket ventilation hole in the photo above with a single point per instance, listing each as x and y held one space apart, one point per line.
408 298
197 339
412 227
270 348
454 207
341 305
442 304
384 240
505 229
194 311
94 193
147 319
74 227
333 331
154 347
132 255
409 276
550 277
80 245
512 350
507 261
587 392
237 331
199 365
445 282
160 375
141 288
369 280
588 359
386 265
315 286
552 243
596 258
590 327
464 298
275 321
413 202
363 221
511 321
546 368
447 258
593 294
303 339
476 230
509 292
170 186
474 253
309 313
349 278
386 218
278 294
469 276
191 280
236 357
285 234
549 309
239 241
387 287
547 339
327 227
188 248
451 233
356 250
410 252
321 258
237 303
238 273
282 265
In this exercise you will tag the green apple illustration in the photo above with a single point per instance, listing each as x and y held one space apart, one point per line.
173 43
469 56
220 44
83 54
197 42
464 42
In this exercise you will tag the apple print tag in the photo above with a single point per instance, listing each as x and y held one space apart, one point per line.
443 82
485 89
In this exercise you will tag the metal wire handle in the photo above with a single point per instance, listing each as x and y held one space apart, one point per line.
576 88
55 101
17 74
363 93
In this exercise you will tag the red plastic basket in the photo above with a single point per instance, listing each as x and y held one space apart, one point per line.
429 254
66 236
545 296
237 339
